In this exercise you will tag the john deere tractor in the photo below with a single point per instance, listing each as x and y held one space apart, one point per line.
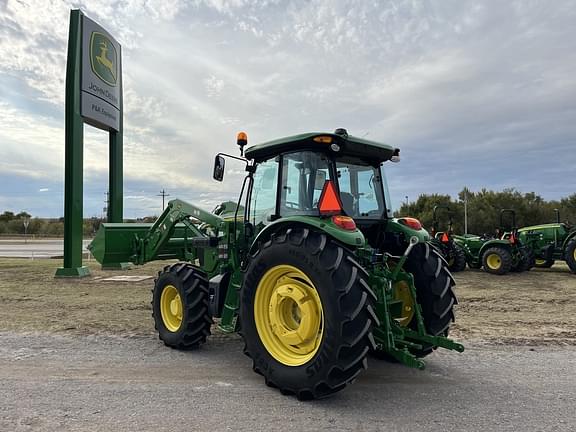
444 241
500 254
309 266
551 242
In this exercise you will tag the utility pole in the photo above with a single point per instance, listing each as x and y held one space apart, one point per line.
163 194
465 211
107 206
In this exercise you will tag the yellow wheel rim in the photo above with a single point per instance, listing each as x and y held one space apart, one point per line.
288 315
493 261
171 308
402 293
540 261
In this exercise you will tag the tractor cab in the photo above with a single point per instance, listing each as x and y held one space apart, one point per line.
332 176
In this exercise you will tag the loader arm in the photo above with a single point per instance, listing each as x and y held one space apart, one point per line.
162 230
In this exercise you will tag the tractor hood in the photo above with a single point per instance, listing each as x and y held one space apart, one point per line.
340 144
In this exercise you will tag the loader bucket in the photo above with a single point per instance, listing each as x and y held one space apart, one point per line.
117 243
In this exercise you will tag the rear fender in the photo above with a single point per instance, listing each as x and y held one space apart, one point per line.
354 238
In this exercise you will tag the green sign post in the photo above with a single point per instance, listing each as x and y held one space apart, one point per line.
93 96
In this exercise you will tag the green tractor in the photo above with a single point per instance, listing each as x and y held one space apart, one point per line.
444 241
497 255
309 266
551 242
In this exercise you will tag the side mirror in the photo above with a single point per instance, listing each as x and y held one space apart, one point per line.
219 164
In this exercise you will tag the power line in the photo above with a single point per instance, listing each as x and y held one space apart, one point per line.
163 194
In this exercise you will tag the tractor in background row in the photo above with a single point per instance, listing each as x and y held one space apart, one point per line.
551 242
444 241
309 266
500 254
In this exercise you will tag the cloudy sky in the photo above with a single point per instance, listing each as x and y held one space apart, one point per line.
474 93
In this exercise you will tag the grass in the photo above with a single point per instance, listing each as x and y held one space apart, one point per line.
534 307
32 299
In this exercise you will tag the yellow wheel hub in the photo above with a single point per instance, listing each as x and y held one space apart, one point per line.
288 315
402 293
494 261
171 308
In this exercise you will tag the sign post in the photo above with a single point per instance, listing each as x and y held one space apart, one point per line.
93 96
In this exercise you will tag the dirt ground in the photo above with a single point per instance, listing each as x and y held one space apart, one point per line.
537 307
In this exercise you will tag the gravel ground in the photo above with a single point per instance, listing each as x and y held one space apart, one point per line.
101 383
82 355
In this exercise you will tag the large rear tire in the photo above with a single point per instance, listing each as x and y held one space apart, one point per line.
306 314
181 306
570 255
497 260
434 292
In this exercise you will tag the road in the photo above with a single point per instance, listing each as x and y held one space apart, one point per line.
45 248
104 383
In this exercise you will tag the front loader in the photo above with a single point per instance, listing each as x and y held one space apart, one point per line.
309 266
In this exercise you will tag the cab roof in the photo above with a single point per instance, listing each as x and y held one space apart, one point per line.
346 145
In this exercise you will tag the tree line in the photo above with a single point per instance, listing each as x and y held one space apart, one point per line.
484 207
483 210
14 224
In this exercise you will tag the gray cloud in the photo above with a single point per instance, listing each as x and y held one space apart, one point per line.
476 94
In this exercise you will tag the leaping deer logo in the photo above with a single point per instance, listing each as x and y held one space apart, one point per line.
104 60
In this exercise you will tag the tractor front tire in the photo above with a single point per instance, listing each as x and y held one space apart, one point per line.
458 261
543 263
497 260
181 306
306 314
434 292
570 255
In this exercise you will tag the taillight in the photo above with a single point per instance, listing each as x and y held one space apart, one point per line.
344 222
411 223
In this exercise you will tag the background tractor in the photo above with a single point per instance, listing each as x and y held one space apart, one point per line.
500 254
309 266
550 242
444 241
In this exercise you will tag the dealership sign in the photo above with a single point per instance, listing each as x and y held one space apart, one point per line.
101 77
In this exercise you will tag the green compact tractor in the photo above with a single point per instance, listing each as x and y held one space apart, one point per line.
444 242
497 255
551 242
309 266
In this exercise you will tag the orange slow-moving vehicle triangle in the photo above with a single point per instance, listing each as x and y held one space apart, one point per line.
445 238
329 200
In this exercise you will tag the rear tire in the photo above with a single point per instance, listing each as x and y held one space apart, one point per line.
335 284
434 292
458 263
181 306
570 255
497 260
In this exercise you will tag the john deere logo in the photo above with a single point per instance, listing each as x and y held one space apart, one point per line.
103 58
